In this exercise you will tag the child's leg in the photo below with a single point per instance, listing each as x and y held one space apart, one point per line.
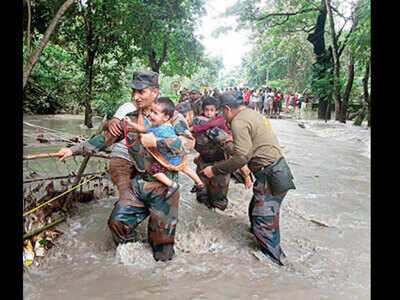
163 178
192 174
172 185
158 172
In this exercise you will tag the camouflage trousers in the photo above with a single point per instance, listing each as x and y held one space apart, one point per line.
163 215
264 211
122 171
217 187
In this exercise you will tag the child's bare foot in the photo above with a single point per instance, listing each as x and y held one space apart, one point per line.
172 189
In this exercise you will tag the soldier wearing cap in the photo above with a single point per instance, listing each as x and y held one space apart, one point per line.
196 100
256 145
140 195
183 96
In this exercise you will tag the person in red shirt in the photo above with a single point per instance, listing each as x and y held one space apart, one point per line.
293 100
246 96
216 119
275 104
280 100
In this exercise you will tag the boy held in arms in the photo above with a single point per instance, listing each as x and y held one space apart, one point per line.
210 111
161 112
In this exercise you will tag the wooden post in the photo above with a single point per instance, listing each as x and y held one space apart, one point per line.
81 169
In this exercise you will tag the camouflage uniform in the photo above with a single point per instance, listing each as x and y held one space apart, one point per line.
146 196
196 103
256 144
213 145
186 109
269 190
197 106
163 214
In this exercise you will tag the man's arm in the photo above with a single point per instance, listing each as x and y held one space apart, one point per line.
217 122
114 124
241 153
180 145
93 145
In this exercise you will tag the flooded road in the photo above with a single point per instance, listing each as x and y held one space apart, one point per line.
325 232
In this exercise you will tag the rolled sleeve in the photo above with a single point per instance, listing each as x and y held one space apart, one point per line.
242 149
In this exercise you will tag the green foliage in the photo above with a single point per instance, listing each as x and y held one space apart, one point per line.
120 36
55 76
232 78
109 103
159 35
360 39
163 35
281 50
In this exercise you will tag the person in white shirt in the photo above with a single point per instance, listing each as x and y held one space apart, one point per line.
268 101
119 149
257 101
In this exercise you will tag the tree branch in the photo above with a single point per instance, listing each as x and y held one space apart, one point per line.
286 14
34 56
353 27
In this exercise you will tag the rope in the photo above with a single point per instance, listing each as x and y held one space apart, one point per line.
71 189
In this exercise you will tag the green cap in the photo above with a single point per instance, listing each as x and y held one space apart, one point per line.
229 100
143 79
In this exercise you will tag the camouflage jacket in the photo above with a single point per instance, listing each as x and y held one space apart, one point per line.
213 144
197 106
184 107
176 146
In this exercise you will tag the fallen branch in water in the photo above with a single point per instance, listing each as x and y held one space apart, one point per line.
318 223
310 220
39 230
56 154
70 141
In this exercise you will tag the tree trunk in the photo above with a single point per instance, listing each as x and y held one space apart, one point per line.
93 43
349 86
317 37
154 64
323 62
336 63
324 109
360 117
34 56
89 83
366 93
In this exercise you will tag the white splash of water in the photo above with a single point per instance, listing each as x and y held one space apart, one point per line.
136 253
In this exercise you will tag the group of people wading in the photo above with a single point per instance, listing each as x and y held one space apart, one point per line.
150 138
